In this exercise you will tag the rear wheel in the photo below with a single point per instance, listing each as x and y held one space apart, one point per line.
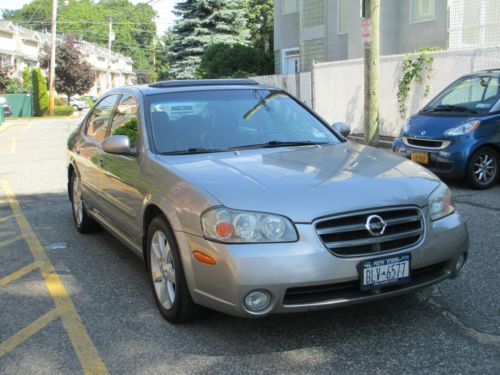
166 274
83 222
482 171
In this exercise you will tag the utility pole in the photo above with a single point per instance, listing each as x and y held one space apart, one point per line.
110 40
52 71
371 39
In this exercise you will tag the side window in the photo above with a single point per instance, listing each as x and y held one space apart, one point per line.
99 118
125 120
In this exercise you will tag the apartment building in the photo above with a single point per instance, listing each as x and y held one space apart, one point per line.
20 48
329 30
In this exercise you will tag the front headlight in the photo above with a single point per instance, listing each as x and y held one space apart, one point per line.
462 129
406 127
234 226
441 202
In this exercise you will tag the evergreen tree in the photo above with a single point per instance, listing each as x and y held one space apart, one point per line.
201 23
40 94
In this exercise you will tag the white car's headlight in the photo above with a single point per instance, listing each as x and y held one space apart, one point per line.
234 226
441 202
465 128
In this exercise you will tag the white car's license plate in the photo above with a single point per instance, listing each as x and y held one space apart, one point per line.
375 273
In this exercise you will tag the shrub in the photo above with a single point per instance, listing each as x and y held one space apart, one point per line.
40 94
27 80
223 60
89 101
129 129
13 86
63 110
58 101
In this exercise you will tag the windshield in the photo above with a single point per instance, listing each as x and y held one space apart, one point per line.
476 95
205 121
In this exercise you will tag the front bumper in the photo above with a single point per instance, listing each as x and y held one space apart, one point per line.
307 269
450 162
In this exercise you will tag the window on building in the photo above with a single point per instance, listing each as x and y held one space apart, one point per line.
290 6
343 16
311 50
422 10
312 13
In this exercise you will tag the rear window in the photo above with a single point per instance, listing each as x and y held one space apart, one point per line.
226 119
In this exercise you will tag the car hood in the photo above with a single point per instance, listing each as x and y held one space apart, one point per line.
304 183
424 126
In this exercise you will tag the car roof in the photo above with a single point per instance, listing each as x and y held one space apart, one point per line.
193 85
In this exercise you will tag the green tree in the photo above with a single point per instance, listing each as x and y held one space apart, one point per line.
26 79
134 25
201 23
260 22
237 61
40 94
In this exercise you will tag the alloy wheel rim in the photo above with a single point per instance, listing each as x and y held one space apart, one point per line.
163 269
77 201
484 168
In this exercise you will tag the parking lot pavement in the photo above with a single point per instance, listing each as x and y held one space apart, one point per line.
71 303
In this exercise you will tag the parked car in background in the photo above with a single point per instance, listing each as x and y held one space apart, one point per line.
457 134
6 107
249 203
78 104
91 97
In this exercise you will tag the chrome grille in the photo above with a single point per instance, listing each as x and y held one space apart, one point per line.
347 235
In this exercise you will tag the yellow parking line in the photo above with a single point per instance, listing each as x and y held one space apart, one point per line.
6 218
85 350
28 331
13 146
10 241
19 273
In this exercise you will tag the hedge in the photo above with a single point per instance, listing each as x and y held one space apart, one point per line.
40 94
63 110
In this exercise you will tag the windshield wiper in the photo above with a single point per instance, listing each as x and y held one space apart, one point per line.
194 150
272 144
450 108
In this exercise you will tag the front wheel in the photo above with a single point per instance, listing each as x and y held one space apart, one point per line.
166 273
83 222
482 171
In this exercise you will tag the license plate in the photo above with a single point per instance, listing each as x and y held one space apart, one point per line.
420 157
380 272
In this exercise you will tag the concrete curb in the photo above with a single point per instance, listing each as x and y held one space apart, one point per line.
383 143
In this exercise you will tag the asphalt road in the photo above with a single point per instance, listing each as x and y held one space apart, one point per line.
113 326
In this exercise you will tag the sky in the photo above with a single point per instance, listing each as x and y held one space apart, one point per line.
163 7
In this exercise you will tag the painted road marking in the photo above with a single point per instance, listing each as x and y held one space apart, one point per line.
6 218
30 124
19 273
89 358
10 241
13 146
28 331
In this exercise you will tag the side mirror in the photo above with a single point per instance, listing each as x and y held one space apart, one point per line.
342 128
118 144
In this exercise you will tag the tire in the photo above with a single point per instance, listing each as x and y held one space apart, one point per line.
75 107
166 275
83 222
483 168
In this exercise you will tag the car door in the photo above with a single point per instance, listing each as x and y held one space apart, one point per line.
90 149
119 182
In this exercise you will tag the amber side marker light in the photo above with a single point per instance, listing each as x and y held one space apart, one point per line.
203 258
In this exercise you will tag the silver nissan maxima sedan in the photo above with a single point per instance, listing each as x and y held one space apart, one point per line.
241 199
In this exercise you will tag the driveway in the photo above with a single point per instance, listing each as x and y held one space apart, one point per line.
71 303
